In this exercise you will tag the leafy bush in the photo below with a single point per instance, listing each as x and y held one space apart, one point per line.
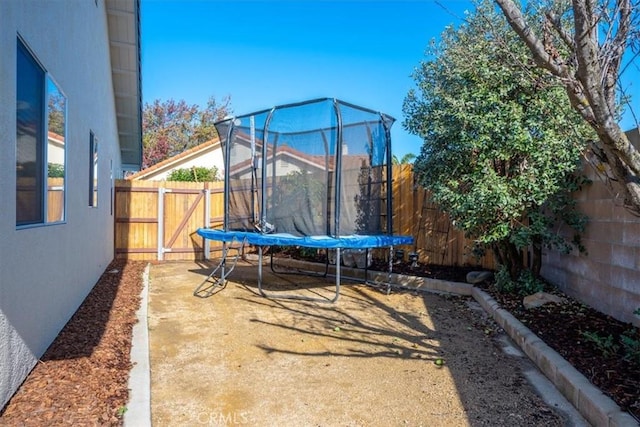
630 341
631 346
55 170
195 174
501 143
605 344
526 284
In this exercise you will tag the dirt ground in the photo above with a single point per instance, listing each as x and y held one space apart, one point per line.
236 358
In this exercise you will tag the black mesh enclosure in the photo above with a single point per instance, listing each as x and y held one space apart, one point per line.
319 167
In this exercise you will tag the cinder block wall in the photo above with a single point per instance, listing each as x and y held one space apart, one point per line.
607 278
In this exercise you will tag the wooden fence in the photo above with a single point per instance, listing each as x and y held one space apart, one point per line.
157 220
435 239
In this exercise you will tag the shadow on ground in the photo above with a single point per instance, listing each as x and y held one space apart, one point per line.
368 359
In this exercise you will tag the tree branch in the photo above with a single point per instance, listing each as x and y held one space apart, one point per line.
516 20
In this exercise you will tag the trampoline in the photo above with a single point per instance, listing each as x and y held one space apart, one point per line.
314 174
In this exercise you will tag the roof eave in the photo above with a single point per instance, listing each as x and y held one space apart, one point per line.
123 19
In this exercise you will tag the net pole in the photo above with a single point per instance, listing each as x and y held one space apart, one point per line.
254 175
227 163
265 142
387 134
338 168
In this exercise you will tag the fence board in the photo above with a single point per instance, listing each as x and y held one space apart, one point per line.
436 240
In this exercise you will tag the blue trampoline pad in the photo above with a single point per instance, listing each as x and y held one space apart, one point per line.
354 241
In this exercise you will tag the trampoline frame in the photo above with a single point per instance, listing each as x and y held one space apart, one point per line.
262 236
318 242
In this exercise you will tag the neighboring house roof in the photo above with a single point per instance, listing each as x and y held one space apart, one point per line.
295 157
283 150
299 158
123 18
176 161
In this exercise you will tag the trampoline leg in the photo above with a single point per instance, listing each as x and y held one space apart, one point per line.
260 272
338 268
298 297
208 285
390 270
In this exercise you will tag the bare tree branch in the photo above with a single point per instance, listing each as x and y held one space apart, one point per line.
592 82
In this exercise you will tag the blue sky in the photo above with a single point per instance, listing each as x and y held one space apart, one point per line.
266 53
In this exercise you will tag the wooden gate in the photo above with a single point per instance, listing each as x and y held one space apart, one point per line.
157 220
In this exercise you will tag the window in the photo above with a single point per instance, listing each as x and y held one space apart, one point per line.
41 109
93 170
56 153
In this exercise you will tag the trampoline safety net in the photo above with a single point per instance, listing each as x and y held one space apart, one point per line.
319 167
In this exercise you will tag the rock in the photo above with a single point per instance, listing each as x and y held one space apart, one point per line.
475 277
541 298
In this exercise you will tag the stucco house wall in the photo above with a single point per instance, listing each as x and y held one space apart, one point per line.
46 271
607 277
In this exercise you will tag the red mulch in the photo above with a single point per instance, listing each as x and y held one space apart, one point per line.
82 377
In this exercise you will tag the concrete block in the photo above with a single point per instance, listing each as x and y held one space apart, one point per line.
484 299
624 256
603 208
624 278
569 381
517 329
408 282
454 287
435 285
622 215
549 362
596 191
532 345
600 252
631 234
506 320
622 419
595 406
411 282
604 231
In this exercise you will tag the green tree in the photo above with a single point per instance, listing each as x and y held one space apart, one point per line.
501 142
586 46
194 174
170 127
56 112
405 160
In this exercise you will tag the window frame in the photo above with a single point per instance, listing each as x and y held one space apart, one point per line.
50 79
93 170
41 146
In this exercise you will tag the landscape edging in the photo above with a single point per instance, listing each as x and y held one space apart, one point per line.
138 412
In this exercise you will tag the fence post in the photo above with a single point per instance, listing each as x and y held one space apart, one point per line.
161 192
207 219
